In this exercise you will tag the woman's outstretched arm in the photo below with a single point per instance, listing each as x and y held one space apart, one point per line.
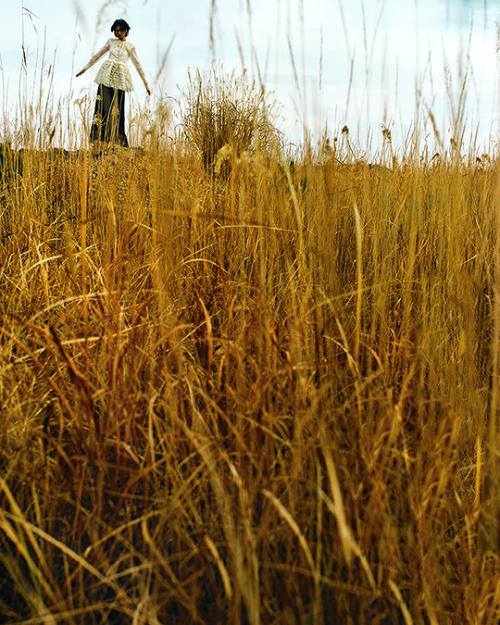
95 58
138 67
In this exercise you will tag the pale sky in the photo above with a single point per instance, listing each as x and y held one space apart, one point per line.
390 48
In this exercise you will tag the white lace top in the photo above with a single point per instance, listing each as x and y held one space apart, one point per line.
114 71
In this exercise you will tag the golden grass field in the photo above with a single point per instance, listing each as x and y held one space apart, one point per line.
265 393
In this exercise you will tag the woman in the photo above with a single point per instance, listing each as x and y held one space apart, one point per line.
114 80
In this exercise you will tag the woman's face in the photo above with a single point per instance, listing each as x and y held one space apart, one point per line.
121 34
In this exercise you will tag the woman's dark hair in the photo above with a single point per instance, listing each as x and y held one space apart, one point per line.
120 25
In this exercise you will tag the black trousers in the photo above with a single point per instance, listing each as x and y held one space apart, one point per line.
108 123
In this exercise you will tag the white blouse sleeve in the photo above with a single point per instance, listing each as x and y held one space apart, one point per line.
97 56
137 65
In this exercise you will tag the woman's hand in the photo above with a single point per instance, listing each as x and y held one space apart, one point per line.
80 73
148 90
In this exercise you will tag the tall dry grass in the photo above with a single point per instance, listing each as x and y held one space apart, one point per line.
225 115
263 397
